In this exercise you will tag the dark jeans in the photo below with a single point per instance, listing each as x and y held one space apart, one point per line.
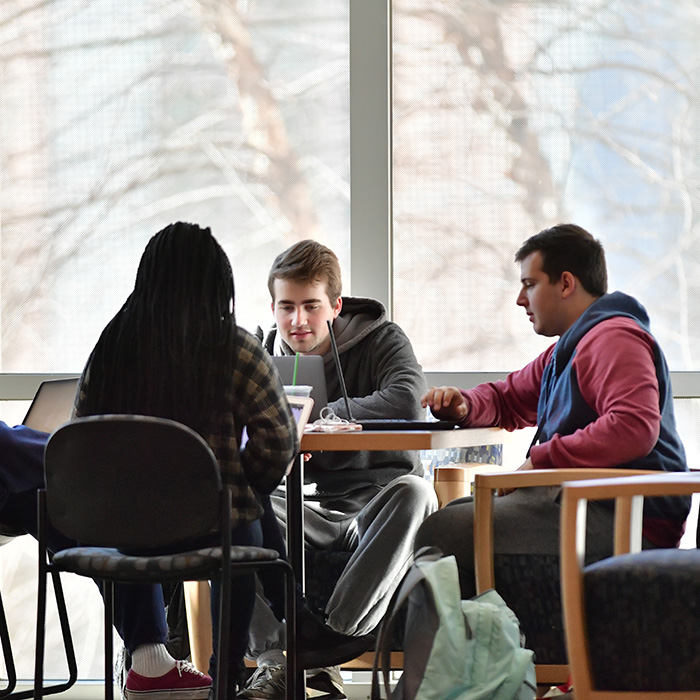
272 582
242 601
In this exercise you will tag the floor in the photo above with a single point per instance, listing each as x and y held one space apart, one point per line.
357 687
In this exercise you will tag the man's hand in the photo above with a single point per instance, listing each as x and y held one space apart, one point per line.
527 464
446 402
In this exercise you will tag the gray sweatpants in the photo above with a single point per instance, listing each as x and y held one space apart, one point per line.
378 525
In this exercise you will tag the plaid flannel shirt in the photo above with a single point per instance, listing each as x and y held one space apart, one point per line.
258 403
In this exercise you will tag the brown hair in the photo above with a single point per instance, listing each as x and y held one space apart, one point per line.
569 248
307 261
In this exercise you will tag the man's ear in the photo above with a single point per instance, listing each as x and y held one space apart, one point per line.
568 284
338 307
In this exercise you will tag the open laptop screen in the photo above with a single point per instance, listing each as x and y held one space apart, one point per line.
310 372
301 410
52 405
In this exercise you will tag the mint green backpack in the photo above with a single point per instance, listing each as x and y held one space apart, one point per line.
453 649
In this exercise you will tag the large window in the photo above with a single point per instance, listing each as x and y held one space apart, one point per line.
511 116
118 117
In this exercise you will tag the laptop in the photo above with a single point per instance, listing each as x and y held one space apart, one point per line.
52 405
301 410
310 372
383 423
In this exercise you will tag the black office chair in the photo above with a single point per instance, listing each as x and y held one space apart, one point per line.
134 483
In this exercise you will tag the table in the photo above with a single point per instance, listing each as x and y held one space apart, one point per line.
356 441
401 439
197 592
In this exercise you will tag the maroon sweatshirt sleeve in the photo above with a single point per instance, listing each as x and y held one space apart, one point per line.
509 404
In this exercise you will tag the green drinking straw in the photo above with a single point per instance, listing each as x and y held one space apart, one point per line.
296 364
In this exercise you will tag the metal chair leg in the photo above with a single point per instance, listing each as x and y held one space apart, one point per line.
44 570
294 675
108 595
7 654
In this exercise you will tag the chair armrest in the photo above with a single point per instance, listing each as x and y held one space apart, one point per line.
639 483
486 484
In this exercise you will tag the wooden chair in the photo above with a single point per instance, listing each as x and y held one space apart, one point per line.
632 620
543 626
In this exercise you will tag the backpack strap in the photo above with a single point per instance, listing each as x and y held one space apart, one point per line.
413 577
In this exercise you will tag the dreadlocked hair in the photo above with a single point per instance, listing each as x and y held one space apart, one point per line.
171 345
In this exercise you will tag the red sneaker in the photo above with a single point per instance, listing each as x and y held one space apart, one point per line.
184 682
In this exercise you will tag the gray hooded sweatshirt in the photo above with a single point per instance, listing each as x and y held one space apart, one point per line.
383 380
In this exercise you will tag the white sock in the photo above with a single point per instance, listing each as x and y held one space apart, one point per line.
151 660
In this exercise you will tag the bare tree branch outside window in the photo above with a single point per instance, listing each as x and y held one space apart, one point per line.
510 116
120 117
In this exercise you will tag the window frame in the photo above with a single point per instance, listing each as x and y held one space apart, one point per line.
371 179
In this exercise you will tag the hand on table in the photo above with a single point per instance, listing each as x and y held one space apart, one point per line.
446 402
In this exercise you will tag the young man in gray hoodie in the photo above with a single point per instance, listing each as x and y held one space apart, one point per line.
367 503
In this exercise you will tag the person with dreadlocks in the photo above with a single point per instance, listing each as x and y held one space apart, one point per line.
174 351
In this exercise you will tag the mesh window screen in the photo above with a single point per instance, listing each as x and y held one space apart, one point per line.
118 117
509 117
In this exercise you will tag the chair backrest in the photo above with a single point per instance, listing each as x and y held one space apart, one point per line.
132 482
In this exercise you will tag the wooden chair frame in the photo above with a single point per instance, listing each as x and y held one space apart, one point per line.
629 493
485 485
